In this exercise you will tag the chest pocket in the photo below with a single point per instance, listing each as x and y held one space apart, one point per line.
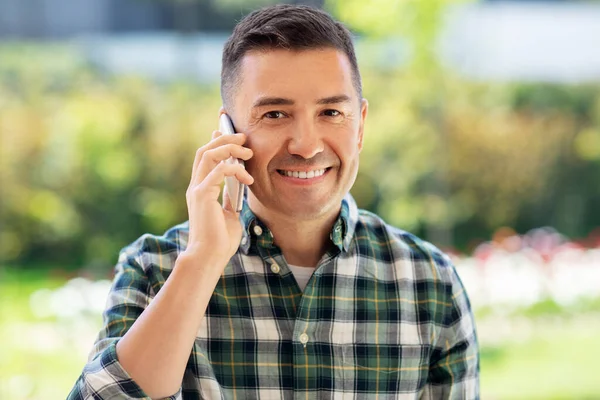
385 368
383 347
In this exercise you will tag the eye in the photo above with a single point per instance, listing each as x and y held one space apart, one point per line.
274 115
332 113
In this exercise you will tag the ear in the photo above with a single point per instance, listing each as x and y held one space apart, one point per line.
364 110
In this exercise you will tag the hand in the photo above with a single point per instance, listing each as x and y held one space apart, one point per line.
215 231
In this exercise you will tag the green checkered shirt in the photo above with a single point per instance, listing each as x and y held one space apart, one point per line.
384 316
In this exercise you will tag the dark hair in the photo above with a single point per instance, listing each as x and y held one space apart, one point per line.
283 26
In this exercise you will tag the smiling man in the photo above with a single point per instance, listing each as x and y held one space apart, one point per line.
301 295
304 120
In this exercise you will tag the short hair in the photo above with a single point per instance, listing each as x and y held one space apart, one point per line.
284 26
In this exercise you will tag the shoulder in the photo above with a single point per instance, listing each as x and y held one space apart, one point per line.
418 266
401 246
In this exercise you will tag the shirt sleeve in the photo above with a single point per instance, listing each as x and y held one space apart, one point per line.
103 377
454 367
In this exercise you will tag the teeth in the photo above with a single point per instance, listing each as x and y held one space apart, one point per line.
304 174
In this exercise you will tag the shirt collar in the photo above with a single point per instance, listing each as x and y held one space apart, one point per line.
256 233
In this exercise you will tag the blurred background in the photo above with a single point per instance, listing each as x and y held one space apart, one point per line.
483 137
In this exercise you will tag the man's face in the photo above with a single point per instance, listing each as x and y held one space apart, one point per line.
304 123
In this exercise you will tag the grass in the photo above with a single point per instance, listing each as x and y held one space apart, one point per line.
556 361
41 357
548 356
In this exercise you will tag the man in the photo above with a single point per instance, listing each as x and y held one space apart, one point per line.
301 295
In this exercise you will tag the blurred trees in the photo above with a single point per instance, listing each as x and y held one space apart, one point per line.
419 91
453 160
89 161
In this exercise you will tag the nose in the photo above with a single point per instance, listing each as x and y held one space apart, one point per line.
305 141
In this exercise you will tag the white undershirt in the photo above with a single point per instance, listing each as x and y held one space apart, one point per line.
302 275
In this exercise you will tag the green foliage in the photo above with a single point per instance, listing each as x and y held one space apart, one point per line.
488 155
461 158
89 161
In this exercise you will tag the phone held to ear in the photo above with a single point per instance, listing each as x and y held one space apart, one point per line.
234 188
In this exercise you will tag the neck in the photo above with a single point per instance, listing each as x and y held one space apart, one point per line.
303 242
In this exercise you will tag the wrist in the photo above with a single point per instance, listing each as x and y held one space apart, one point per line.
199 257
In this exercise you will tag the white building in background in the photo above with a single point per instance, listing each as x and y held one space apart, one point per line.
51 19
525 41
556 41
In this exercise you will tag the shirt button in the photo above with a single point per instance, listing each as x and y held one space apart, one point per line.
244 240
275 268
257 230
304 338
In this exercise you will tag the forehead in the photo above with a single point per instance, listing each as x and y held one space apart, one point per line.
311 73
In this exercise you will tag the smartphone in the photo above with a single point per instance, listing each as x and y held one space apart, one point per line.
234 188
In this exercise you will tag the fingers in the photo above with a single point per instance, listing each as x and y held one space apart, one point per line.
211 158
212 153
219 139
218 174
211 184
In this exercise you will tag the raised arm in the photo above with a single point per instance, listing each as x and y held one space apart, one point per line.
146 340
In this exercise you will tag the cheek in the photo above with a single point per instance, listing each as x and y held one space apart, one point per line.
260 159
347 150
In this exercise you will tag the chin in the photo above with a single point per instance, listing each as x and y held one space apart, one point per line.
304 209
310 208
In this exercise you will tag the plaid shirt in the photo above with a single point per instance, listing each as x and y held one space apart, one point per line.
384 316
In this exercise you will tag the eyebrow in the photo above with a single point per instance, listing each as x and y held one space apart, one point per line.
272 101
340 98
281 101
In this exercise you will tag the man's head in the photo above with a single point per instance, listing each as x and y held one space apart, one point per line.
291 84
286 27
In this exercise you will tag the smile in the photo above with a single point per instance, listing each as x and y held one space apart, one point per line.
303 174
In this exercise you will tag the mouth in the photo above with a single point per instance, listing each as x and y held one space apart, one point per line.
315 173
